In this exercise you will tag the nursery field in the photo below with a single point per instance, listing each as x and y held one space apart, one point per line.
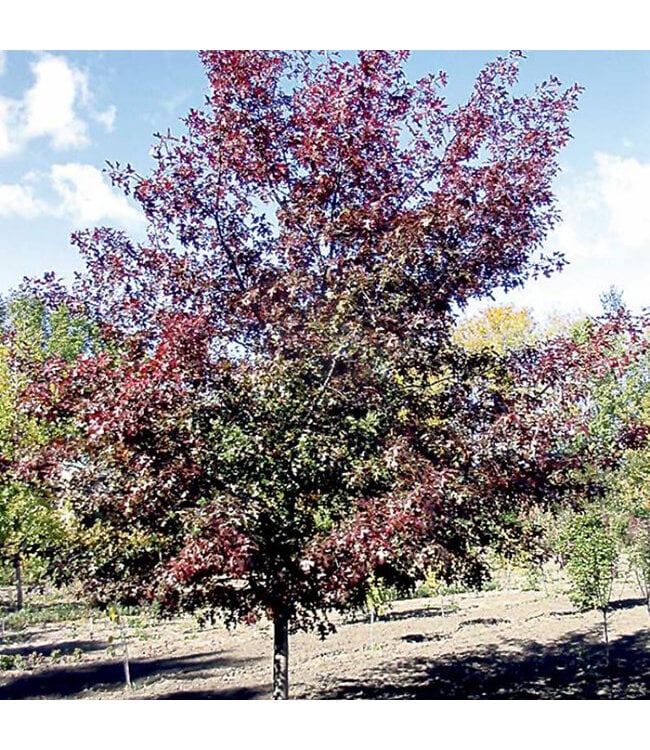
504 644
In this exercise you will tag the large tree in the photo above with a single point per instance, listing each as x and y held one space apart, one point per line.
279 412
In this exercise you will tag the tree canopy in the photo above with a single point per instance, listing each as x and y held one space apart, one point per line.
278 412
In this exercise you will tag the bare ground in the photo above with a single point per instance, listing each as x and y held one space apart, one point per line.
501 644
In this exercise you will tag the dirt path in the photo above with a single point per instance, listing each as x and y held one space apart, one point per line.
505 644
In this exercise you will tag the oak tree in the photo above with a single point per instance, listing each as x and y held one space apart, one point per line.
279 414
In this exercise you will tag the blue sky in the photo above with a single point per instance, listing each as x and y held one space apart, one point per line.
63 114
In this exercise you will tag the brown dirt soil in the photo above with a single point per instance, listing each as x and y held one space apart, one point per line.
499 644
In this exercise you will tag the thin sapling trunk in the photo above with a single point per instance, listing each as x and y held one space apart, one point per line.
125 654
18 569
606 636
116 617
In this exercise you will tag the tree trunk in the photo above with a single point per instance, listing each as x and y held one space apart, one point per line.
606 634
125 653
281 657
18 568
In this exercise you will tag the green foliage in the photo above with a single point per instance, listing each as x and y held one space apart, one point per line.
33 522
38 332
434 585
34 659
638 553
379 596
46 610
28 521
591 552
621 427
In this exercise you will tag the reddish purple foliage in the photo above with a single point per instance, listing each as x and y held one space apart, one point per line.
277 411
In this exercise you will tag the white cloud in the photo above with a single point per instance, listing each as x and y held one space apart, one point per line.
106 118
18 200
7 115
604 214
49 106
605 211
55 107
87 198
583 231
81 194
624 188
605 237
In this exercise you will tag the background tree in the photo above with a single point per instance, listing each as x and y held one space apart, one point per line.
500 328
560 378
608 521
32 520
279 414
591 551
622 423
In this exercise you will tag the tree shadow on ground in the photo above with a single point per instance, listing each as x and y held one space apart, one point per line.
574 667
70 680
627 604
420 612
233 694
417 612
64 647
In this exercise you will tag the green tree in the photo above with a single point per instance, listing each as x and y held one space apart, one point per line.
591 551
629 483
32 519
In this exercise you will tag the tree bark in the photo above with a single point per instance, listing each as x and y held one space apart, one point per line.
281 657
18 568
